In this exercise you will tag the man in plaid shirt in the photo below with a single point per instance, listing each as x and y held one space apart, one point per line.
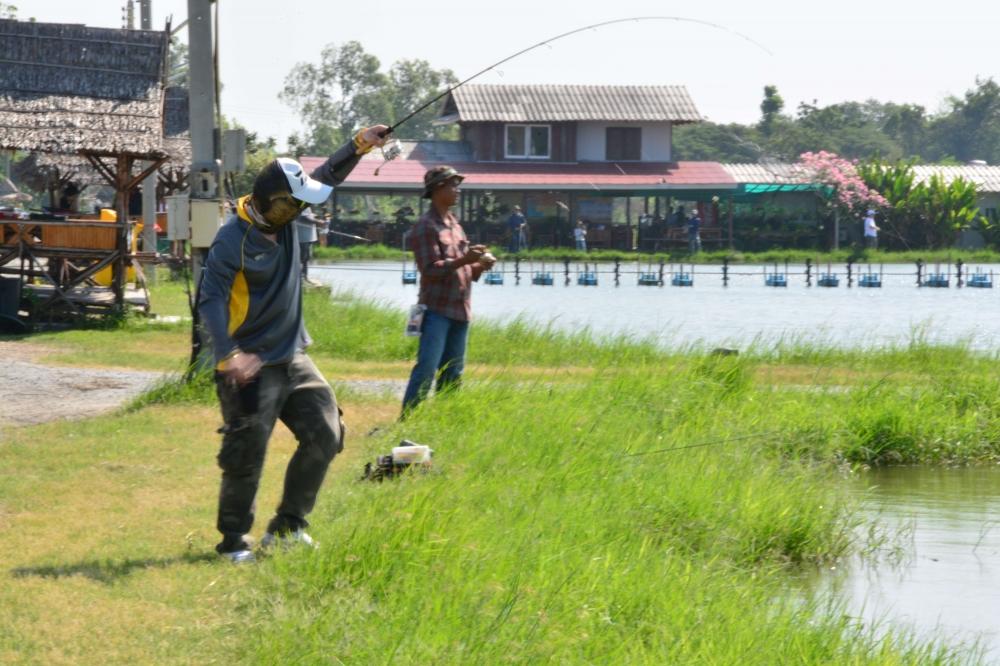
448 266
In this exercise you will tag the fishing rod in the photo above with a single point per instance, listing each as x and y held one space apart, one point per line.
393 151
341 233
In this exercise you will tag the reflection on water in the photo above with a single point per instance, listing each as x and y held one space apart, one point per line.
709 314
943 578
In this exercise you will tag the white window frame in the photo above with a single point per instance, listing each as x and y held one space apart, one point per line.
527 142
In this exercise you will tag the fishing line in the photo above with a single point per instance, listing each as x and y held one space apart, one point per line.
545 42
713 442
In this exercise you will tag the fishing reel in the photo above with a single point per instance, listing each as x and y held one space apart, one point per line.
390 151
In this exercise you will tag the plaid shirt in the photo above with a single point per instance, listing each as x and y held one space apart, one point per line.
437 245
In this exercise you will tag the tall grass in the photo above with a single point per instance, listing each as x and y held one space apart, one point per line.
350 328
538 538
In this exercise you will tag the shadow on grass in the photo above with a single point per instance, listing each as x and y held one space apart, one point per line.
110 571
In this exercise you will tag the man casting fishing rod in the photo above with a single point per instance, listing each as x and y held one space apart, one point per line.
250 305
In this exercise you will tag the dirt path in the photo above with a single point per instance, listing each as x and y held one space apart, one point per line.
31 392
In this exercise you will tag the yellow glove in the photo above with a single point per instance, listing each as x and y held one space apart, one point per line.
361 146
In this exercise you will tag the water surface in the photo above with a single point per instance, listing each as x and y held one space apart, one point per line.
709 314
941 577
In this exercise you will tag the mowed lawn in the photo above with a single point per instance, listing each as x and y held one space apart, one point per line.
108 531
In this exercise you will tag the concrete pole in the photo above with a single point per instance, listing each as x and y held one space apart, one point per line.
201 75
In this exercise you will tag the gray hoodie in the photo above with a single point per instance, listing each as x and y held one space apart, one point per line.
250 293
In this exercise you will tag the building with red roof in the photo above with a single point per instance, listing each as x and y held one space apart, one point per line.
603 154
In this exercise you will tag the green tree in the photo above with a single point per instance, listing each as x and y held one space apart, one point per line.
179 63
718 143
971 128
7 11
906 124
347 90
770 108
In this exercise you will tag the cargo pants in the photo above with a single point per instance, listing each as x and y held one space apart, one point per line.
296 393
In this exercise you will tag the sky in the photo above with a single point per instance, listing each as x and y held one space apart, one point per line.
823 52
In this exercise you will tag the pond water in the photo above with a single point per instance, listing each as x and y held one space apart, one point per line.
940 575
708 314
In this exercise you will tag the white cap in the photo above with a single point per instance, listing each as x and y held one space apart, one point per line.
303 187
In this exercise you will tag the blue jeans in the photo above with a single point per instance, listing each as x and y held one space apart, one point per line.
515 242
442 348
581 244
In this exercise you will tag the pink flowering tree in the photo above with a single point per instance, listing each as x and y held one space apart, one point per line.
848 192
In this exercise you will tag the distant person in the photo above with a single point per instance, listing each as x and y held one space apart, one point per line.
871 230
448 266
515 223
307 227
580 235
694 231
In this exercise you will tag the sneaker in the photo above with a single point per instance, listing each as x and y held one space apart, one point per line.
287 540
244 556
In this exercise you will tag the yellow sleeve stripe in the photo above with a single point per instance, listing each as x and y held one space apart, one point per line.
239 302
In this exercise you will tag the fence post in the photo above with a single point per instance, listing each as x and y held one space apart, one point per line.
566 264
618 265
517 271
661 272
725 272
920 272
850 275
958 265
809 264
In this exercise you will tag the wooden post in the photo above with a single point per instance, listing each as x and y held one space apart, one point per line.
122 176
628 222
729 214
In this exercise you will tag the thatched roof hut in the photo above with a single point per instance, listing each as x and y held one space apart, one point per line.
43 171
93 92
74 89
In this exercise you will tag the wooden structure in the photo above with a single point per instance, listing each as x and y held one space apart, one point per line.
94 93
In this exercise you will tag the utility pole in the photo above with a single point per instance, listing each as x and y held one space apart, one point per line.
206 201
149 184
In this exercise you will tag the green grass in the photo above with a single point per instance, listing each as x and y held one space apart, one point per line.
539 539
862 256
650 507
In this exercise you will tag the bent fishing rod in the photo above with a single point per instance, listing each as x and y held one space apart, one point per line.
394 151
